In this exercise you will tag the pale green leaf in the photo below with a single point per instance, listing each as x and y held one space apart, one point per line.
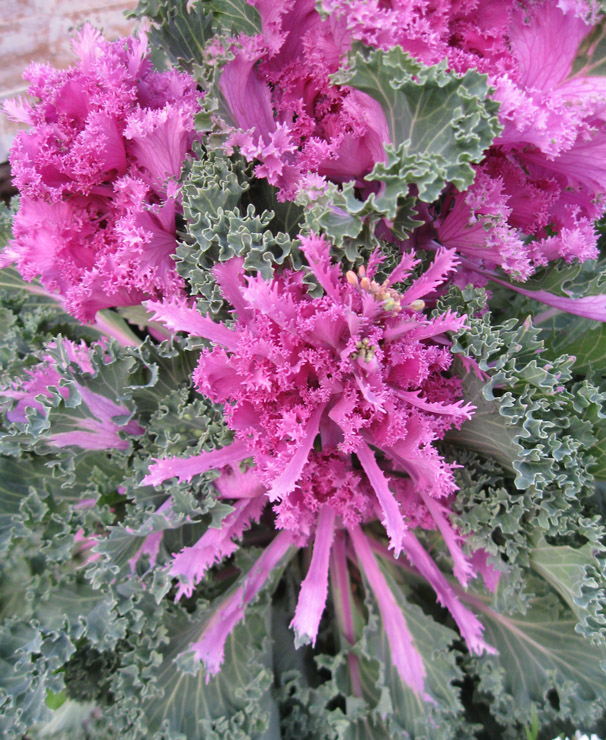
235 704
542 662
580 578
236 16
439 123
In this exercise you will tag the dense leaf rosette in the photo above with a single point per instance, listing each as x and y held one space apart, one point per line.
97 172
338 399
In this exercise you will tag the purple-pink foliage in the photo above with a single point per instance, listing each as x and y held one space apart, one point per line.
299 126
541 185
338 400
97 172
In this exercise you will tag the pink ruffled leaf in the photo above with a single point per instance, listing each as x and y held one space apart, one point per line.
459 409
214 545
544 41
235 484
230 277
317 251
96 220
469 625
181 316
487 570
445 262
463 566
287 480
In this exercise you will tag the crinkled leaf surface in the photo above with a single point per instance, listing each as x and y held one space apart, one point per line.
542 661
237 704
439 123
578 576
409 713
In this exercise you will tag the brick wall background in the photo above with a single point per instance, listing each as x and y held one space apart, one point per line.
39 30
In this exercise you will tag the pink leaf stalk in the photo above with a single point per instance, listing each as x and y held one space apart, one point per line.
395 525
590 307
215 544
470 627
338 400
344 604
490 575
314 589
404 654
185 469
97 175
83 546
211 645
151 544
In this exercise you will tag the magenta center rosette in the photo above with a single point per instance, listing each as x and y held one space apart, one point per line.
338 400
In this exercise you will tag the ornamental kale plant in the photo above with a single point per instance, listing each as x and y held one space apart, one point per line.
97 172
303 376
355 368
